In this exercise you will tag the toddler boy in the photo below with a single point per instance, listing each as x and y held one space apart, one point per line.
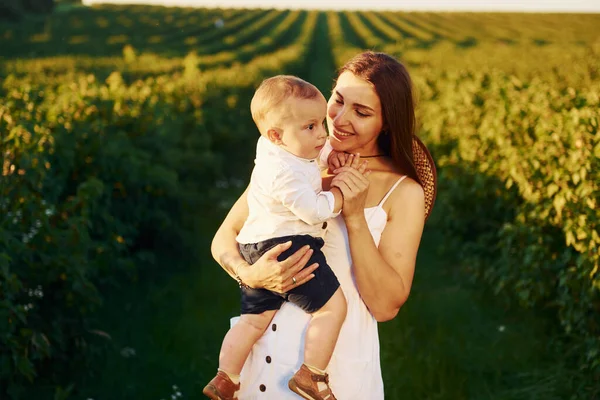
286 203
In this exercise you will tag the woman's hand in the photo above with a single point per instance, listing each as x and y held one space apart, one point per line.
278 276
352 180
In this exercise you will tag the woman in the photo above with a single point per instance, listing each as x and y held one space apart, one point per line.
372 246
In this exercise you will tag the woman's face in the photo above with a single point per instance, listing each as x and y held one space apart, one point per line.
354 116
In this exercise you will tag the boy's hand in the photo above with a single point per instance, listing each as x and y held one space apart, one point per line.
336 160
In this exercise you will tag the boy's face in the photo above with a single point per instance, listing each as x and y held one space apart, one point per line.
301 126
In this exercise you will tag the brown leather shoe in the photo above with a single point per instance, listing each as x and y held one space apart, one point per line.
305 384
221 388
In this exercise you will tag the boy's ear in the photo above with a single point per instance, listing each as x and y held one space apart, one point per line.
275 136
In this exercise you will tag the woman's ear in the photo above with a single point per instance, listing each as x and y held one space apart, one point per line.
275 136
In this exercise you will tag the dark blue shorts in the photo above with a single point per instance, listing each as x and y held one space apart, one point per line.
310 296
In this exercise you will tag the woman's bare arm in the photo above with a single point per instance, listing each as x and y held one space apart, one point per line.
384 274
224 247
267 272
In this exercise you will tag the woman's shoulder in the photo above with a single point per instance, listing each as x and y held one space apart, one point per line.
408 196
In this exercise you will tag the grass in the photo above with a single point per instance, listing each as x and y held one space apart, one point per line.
450 340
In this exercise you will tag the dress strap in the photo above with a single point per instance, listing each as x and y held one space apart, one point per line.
391 190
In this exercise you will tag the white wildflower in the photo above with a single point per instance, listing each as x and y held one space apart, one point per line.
127 352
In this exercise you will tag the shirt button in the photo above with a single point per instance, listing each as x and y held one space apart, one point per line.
262 388
274 327
324 225
268 359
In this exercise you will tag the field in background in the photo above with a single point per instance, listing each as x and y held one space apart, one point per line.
122 125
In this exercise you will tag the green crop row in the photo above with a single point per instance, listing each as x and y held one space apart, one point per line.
266 40
104 32
519 195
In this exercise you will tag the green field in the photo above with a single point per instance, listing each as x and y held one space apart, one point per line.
126 134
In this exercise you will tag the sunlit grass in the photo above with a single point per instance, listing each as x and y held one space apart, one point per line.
124 21
37 38
191 40
102 22
155 39
117 39
76 23
79 39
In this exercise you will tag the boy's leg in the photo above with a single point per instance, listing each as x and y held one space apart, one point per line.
235 349
311 381
323 331
258 306
239 340
323 298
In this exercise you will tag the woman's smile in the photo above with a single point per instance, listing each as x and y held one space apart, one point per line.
341 135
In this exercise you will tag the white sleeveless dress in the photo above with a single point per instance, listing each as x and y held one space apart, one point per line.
354 370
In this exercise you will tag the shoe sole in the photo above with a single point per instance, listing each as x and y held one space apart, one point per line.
296 389
211 392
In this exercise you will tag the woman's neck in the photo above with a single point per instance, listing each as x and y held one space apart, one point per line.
368 150
383 164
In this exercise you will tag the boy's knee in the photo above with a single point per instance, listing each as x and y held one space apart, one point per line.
343 304
337 304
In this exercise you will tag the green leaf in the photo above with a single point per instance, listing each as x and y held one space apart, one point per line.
25 367
552 189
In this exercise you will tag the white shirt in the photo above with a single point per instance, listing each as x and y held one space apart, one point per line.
285 196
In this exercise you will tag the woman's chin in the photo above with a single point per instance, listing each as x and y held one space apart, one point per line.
341 144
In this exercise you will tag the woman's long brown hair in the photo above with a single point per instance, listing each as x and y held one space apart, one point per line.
394 87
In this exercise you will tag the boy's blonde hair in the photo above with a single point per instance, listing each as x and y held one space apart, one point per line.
275 90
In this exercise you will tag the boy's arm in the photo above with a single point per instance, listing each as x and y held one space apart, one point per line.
297 194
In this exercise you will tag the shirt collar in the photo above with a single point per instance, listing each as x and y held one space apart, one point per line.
267 149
